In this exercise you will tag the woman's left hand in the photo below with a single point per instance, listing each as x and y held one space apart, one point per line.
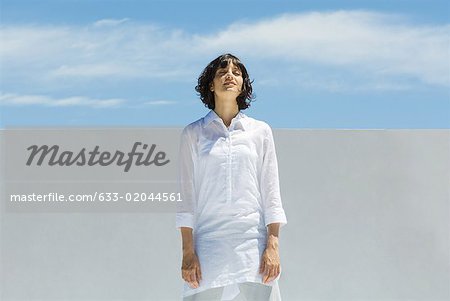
270 263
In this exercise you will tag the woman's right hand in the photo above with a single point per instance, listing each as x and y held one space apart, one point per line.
190 269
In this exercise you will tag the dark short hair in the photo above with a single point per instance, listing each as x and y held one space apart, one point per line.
207 76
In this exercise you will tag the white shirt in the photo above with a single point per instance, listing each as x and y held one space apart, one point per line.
229 186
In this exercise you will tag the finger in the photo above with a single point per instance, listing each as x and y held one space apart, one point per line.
195 279
264 278
185 275
197 274
262 266
266 269
195 284
273 274
194 276
266 274
192 279
191 276
270 274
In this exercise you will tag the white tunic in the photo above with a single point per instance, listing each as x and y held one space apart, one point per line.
229 186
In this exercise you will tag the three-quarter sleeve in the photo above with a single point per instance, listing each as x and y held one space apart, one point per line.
269 183
185 210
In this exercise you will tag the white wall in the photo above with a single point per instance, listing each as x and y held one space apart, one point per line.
368 219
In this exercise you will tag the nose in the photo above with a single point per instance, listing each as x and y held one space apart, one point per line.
229 74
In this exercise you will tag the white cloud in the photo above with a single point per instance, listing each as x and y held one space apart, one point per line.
110 22
11 99
381 46
160 102
18 100
93 70
352 40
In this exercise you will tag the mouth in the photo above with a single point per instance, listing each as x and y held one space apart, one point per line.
229 83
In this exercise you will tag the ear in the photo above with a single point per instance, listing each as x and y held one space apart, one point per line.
211 87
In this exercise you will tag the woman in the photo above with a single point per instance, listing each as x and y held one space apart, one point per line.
231 209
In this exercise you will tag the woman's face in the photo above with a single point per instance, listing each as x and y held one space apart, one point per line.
227 80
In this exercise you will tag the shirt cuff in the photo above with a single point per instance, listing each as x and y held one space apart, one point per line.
276 216
184 220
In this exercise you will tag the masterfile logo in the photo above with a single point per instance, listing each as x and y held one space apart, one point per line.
95 157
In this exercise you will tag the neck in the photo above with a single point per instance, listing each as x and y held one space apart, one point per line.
226 110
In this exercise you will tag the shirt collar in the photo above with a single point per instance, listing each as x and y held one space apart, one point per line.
238 119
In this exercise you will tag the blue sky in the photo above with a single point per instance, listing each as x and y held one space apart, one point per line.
315 64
